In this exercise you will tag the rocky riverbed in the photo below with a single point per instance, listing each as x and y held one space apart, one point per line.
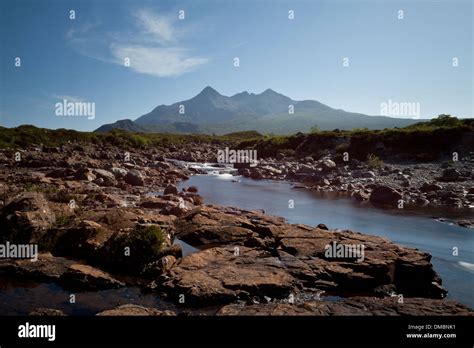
97 226
402 186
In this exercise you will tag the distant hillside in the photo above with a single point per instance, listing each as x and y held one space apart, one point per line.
127 125
425 141
268 112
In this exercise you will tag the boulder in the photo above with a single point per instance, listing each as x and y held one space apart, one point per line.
385 195
153 202
119 173
209 225
180 208
198 235
164 264
80 239
192 189
26 219
84 277
134 178
194 198
106 177
102 173
225 274
361 195
175 175
84 174
328 165
430 187
255 173
450 174
170 190
163 165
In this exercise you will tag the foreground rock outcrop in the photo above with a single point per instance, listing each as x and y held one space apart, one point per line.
262 256
223 275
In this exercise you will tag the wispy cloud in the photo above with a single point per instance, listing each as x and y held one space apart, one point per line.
152 47
238 45
74 32
158 61
161 27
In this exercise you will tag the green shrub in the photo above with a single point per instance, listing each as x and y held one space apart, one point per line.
149 239
360 130
63 220
59 196
373 161
138 140
31 187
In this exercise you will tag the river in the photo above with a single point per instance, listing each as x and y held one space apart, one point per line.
409 229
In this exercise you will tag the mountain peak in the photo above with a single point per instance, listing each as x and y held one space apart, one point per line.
240 95
270 94
208 90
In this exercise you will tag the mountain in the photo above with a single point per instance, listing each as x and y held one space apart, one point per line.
127 125
267 112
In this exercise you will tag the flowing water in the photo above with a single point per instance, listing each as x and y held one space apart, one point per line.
410 229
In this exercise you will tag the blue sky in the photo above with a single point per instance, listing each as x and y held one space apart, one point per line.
403 60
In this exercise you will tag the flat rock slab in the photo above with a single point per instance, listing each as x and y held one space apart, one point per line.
65 272
47 312
225 274
46 268
363 306
211 225
381 268
135 310
84 277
